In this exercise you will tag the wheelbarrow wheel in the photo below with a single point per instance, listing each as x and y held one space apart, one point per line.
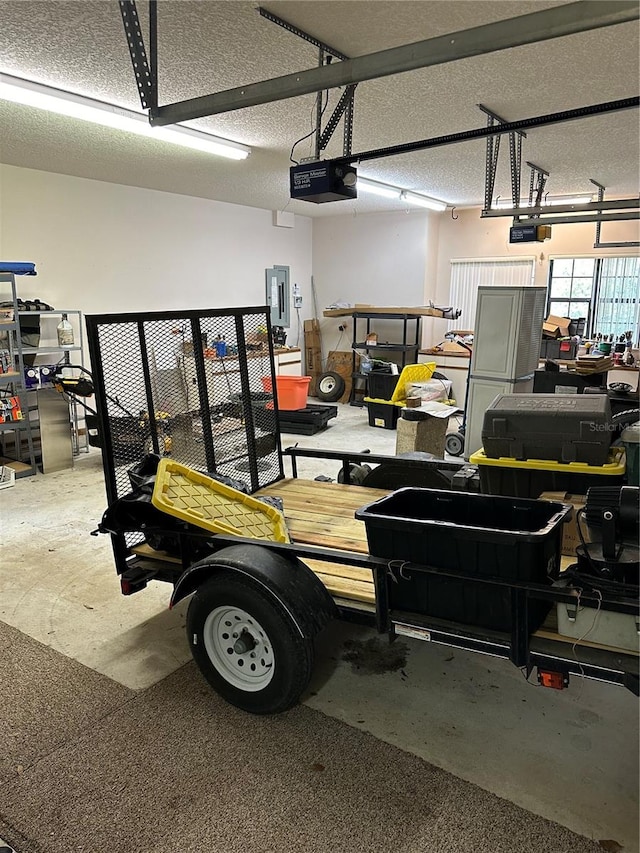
330 387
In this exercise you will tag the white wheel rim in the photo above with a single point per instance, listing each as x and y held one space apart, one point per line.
327 385
239 648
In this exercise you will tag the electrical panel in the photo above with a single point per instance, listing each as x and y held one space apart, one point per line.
278 296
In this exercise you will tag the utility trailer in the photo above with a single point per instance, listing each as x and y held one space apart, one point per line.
257 605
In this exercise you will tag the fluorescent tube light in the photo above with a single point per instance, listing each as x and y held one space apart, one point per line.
548 202
68 104
423 201
376 188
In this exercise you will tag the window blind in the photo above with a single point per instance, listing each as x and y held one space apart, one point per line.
467 275
618 297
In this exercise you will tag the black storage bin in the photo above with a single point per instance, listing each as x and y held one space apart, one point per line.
381 385
559 427
553 381
577 327
384 415
534 477
560 350
457 530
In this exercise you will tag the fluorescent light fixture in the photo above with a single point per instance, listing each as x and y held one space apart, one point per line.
52 100
376 188
550 201
423 201
387 191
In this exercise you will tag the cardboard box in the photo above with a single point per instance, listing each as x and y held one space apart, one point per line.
312 354
342 364
570 535
556 327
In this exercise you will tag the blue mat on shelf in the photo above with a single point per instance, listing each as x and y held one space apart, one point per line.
18 267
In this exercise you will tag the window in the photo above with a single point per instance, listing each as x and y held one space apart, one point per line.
571 287
467 275
605 291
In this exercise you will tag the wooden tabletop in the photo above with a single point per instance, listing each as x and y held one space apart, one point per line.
415 310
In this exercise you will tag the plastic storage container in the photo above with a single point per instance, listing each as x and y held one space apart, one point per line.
381 385
564 382
562 427
564 349
577 327
383 413
292 391
631 442
528 478
620 630
480 535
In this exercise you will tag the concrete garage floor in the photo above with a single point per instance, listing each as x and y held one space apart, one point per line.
571 757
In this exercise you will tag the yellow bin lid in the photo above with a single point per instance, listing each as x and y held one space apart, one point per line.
199 500
614 467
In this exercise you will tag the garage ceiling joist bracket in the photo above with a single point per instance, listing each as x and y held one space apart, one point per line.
492 154
346 98
535 27
537 181
344 106
145 72
604 205
291 28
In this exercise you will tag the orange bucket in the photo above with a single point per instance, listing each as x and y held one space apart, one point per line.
292 391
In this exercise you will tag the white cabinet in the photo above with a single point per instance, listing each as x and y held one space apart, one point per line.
289 362
507 332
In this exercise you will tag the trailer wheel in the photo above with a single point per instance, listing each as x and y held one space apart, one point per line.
247 645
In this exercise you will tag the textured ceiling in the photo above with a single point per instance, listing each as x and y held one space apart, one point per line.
209 46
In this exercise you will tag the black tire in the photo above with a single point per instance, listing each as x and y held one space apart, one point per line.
357 474
454 444
330 387
290 653
625 418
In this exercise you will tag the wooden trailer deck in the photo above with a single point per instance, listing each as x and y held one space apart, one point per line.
322 514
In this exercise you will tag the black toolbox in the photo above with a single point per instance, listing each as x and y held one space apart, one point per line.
480 535
558 427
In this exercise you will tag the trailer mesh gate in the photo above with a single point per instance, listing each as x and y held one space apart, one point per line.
164 384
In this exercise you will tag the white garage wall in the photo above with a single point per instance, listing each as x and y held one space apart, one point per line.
103 247
376 258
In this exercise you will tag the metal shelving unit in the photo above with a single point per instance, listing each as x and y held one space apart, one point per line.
408 350
61 356
12 384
